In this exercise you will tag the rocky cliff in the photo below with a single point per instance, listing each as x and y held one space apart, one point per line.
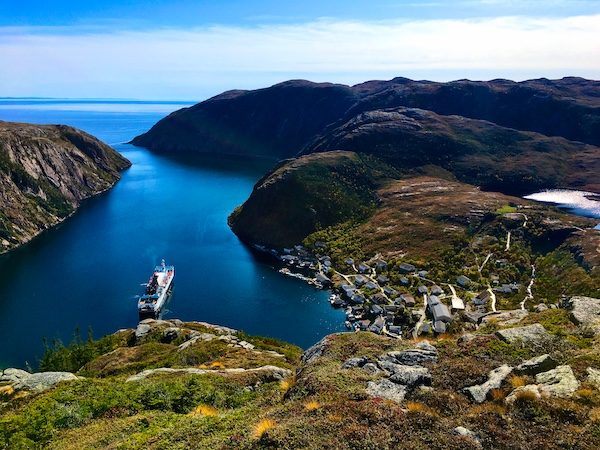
46 171
280 120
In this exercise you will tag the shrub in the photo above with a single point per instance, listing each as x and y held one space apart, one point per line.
262 427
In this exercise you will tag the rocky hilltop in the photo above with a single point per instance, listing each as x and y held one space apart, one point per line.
517 379
46 171
281 120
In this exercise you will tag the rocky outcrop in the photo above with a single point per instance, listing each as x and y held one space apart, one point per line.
530 334
496 377
536 365
401 370
46 171
269 373
559 382
21 380
585 311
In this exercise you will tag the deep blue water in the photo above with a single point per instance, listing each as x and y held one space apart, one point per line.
87 271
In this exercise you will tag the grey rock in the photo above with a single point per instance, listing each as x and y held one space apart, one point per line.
530 334
314 352
387 389
593 377
371 368
272 373
531 389
355 362
37 382
540 307
495 379
411 357
142 330
536 365
411 376
170 334
506 318
559 382
585 311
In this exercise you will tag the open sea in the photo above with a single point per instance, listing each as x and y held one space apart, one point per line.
87 271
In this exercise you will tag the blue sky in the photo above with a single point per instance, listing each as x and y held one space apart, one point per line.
186 49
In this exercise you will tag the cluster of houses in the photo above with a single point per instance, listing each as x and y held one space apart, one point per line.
370 303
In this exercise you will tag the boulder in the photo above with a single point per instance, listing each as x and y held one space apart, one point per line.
411 376
272 373
314 352
36 382
530 334
559 382
142 330
585 311
505 318
495 379
531 390
371 368
536 365
355 362
411 357
593 377
386 389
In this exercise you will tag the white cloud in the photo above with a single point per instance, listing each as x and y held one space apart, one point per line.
175 63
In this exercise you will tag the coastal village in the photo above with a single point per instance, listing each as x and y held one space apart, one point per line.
402 301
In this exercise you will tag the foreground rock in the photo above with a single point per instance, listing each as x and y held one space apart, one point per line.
530 334
559 382
536 365
21 380
585 311
496 377
271 373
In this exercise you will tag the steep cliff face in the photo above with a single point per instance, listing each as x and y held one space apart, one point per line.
280 120
45 173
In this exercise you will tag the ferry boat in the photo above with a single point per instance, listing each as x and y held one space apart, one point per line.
157 291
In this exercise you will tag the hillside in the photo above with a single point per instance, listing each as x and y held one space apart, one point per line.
280 120
531 382
475 151
46 171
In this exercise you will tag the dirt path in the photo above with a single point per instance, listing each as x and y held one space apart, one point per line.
415 332
529 295
493 297
507 242
485 261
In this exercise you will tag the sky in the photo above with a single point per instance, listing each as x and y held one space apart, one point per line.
191 50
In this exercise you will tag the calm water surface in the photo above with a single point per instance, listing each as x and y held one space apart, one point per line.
87 272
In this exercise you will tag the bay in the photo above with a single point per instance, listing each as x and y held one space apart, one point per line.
86 272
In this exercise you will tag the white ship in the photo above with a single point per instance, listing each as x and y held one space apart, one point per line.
157 291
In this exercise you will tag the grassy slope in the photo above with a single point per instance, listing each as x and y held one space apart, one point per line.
323 406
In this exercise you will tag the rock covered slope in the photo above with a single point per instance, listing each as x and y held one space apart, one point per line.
280 120
527 381
46 171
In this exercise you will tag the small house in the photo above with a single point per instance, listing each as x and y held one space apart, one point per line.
383 280
381 265
436 290
364 268
463 281
371 286
440 312
359 280
408 300
406 268
422 289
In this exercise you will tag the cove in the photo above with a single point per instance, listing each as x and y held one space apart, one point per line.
87 271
